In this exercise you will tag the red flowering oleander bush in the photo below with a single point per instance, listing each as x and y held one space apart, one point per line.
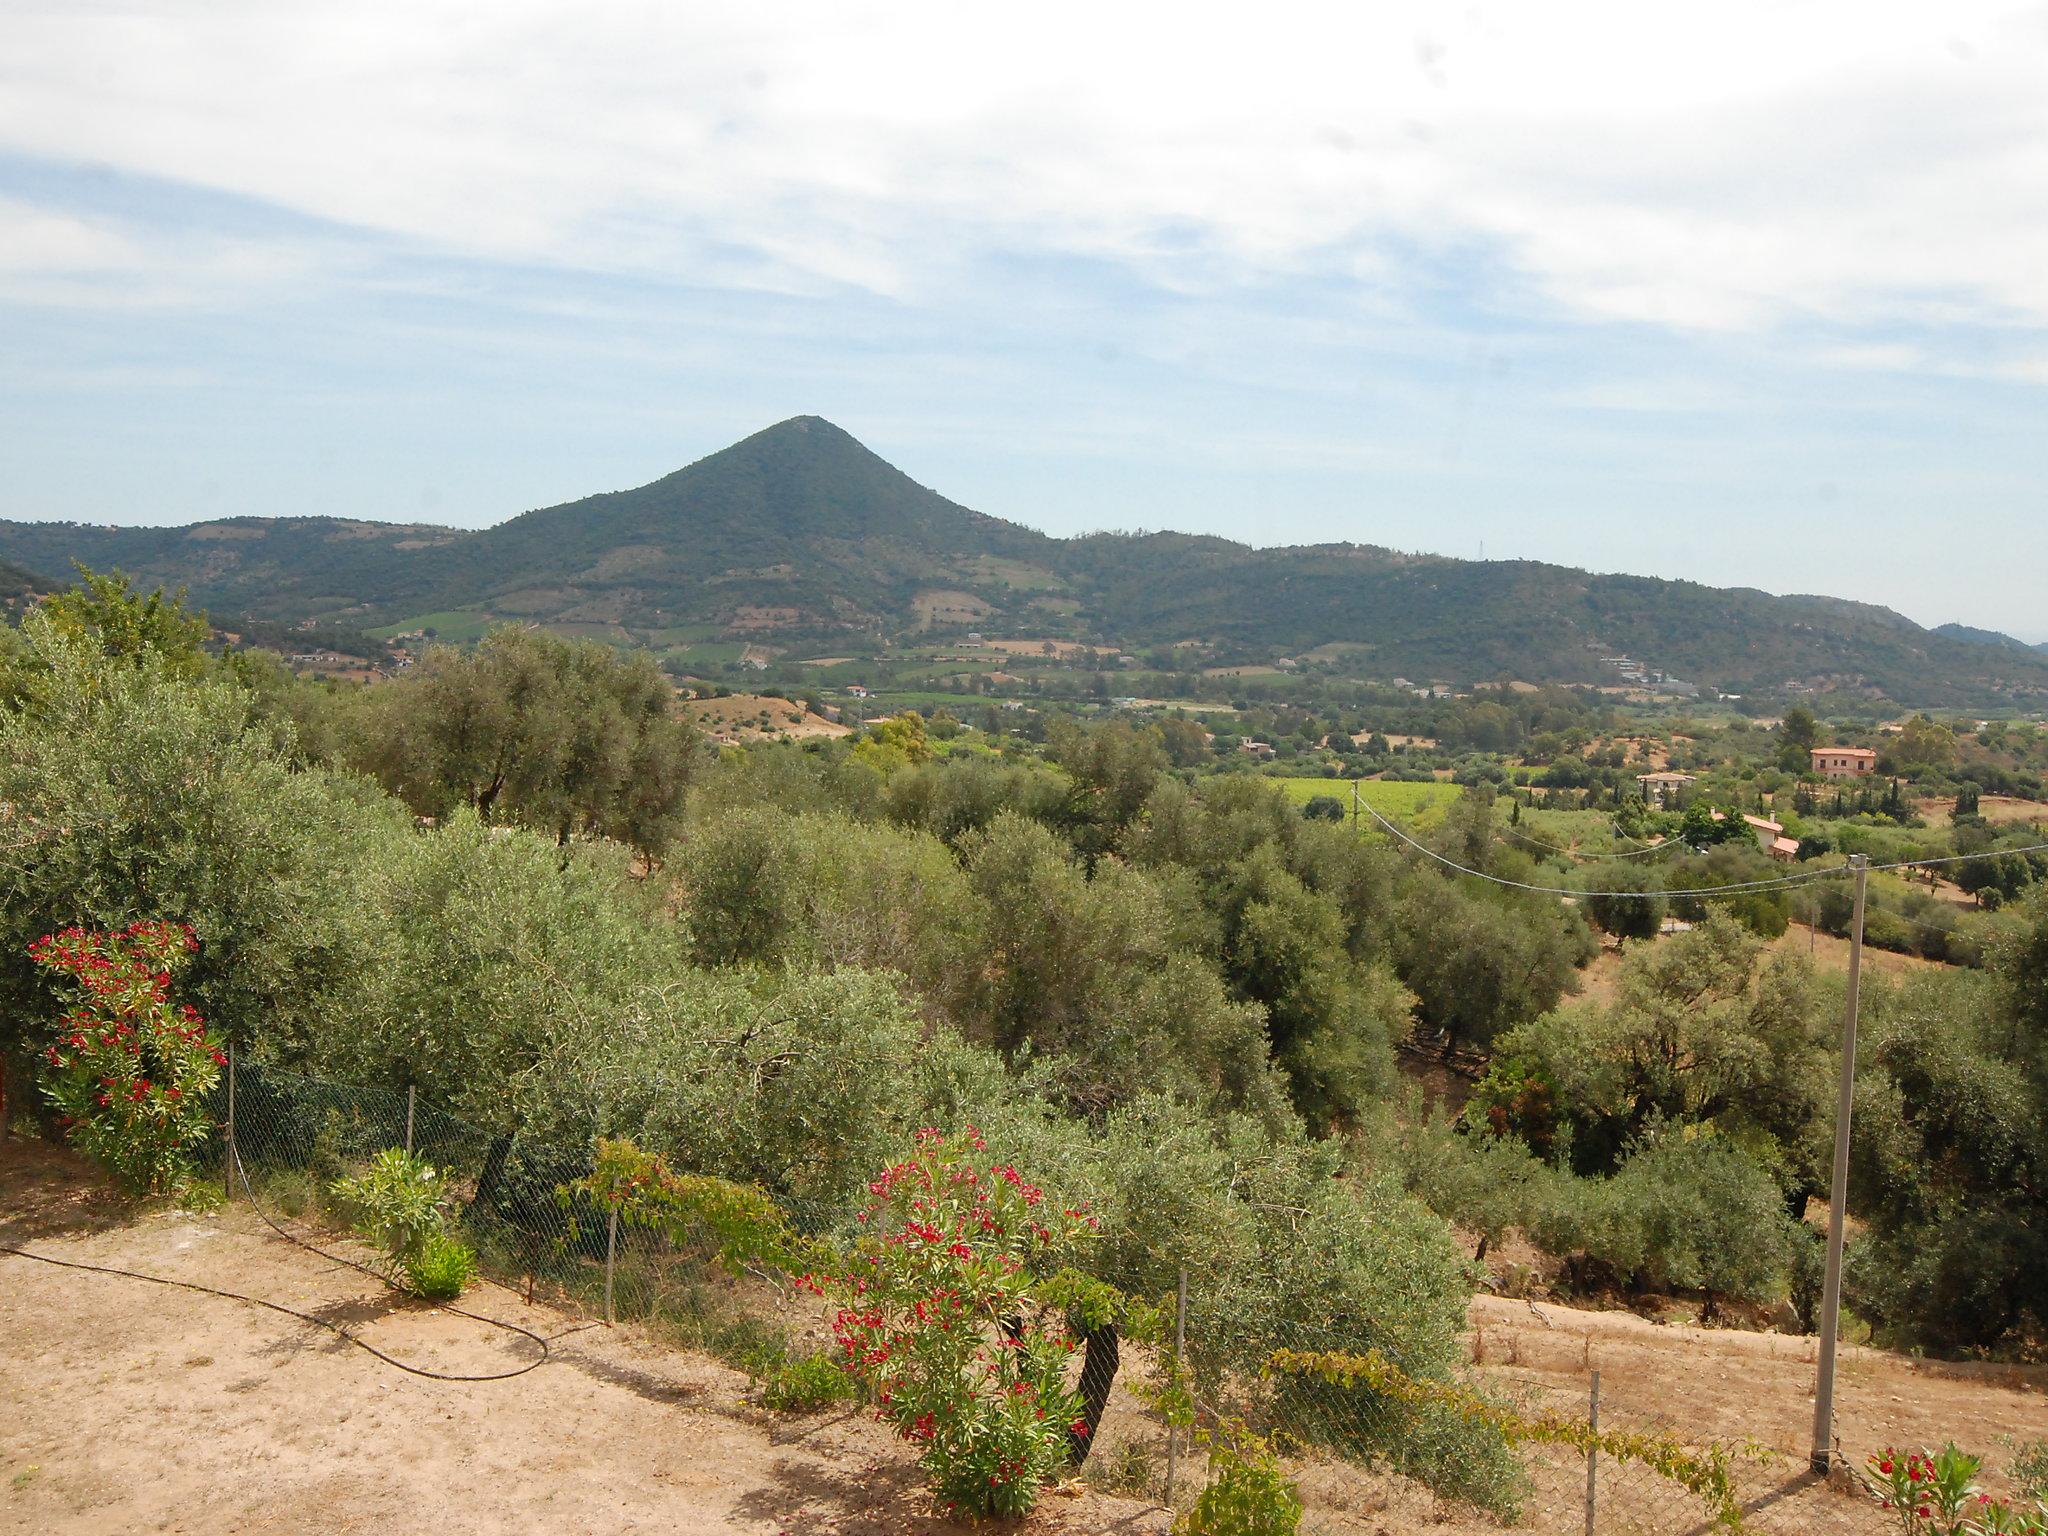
129 1072
1935 1493
943 1317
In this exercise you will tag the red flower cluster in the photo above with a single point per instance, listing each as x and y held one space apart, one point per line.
1936 1494
936 1313
127 1071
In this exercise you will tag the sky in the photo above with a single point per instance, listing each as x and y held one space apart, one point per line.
1751 294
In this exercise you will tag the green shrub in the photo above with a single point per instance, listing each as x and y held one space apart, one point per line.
441 1268
1687 1211
134 789
397 1204
2029 1469
1622 900
1936 1493
805 1385
1247 1493
964 1351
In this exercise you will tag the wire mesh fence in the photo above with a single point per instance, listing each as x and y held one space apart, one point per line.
1519 1456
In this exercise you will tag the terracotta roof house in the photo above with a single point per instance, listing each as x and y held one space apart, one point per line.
1843 762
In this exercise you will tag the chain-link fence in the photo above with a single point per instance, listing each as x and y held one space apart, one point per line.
1516 1453
1632 1481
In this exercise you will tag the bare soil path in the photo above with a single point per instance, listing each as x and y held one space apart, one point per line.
132 1407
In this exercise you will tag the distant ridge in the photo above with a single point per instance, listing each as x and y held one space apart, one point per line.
1991 637
800 537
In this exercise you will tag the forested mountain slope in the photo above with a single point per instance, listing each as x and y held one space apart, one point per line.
799 536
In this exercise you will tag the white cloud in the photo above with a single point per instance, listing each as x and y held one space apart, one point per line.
1729 169
55 258
46 243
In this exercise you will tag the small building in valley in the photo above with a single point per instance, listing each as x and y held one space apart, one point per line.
1844 762
1767 831
1662 787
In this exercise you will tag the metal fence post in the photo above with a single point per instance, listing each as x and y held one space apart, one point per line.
611 1253
410 1092
1592 1453
227 1145
1180 1338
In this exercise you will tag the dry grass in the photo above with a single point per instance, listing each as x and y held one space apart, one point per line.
758 717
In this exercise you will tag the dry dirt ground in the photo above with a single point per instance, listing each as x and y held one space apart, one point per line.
1696 1385
1730 1385
2000 810
129 1407
738 717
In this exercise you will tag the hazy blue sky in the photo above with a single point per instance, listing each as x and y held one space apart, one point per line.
1755 293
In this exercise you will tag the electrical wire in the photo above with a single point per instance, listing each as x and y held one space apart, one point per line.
1737 888
1785 882
278 1306
1633 853
334 1258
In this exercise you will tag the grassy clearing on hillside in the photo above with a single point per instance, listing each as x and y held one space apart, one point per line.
457 626
679 635
1582 832
706 652
960 705
1412 806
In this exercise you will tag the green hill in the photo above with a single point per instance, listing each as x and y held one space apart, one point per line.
800 537
271 567
18 582
1992 637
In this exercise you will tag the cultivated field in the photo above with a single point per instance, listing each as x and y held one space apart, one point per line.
1410 806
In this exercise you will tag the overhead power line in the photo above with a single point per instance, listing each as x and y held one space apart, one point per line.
1571 853
1735 888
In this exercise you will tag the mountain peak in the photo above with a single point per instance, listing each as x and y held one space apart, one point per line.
804 456
802 536
801 432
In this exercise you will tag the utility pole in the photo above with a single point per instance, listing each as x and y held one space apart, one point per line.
1354 805
1838 1194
